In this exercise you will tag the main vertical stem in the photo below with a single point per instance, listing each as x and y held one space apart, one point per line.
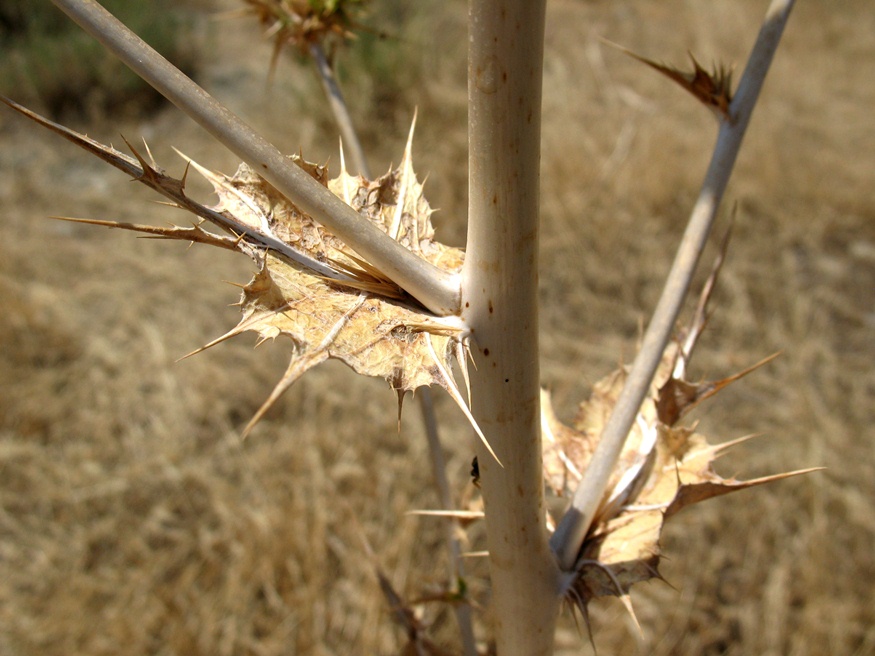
499 303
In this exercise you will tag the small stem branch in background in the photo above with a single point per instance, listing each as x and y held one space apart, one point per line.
352 146
454 547
354 151
572 530
435 289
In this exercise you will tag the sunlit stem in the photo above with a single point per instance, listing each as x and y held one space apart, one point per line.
572 530
499 299
435 289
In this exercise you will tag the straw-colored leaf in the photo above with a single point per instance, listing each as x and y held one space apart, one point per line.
361 318
309 287
663 469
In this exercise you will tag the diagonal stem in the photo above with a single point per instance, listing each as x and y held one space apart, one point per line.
435 289
572 530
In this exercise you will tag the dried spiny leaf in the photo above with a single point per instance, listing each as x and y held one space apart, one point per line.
663 468
648 487
174 190
361 318
309 286
193 234
677 396
405 617
626 547
301 23
713 89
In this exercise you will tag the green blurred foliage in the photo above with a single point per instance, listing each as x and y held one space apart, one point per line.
46 60
383 67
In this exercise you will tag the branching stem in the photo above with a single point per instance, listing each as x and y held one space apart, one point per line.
434 288
572 530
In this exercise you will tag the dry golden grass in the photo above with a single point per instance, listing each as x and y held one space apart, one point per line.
134 521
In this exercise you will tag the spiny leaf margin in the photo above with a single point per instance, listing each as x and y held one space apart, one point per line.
309 287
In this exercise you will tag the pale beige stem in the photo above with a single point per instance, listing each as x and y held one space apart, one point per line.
572 530
435 289
354 151
352 146
499 303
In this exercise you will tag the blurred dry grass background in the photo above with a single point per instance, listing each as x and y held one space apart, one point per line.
132 518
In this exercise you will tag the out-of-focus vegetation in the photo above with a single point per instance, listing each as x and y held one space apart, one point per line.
50 62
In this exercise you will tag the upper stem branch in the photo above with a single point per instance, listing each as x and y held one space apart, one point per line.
434 288
572 530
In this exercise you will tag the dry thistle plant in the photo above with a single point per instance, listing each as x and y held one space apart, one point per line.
349 268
